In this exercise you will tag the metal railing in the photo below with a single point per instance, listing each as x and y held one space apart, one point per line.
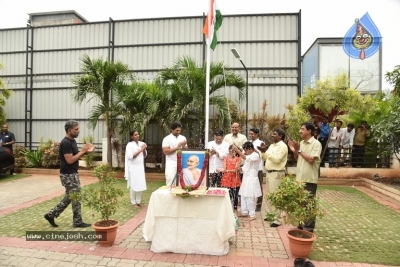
372 157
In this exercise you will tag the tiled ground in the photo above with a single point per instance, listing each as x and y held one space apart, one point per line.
254 245
46 185
259 240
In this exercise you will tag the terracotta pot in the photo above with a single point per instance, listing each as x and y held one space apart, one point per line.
300 247
111 233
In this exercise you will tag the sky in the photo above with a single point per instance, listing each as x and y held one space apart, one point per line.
320 18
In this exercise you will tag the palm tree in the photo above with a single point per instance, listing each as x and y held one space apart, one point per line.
184 85
99 80
4 94
140 103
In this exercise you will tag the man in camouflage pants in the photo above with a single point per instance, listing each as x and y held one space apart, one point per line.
69 156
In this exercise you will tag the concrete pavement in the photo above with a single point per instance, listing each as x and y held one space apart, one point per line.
256 244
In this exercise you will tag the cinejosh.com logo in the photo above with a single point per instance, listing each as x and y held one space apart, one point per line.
65 236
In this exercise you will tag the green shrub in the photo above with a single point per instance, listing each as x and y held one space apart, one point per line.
104 198
20 159
294 200
90 157
51 158
34 158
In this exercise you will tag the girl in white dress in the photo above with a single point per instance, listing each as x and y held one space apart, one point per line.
134 167
250 188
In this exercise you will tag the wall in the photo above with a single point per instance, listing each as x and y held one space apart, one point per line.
40 76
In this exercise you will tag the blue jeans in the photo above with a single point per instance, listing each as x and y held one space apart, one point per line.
333 156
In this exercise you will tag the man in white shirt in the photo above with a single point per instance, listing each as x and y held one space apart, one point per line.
171 143
334 142
346 143
219 149
235 138
254 138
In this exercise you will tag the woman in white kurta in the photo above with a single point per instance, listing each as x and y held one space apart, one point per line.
134 167
250 188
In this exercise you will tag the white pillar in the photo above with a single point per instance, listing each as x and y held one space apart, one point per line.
395 162
104 153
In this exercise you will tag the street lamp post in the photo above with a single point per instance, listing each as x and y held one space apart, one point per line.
236 54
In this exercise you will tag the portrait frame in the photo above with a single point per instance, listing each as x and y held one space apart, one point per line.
200 153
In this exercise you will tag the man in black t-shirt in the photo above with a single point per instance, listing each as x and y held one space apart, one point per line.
69 156
7 139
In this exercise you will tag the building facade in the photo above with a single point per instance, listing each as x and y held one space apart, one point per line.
326 58
40 62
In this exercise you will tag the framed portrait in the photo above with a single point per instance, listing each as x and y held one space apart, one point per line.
192 164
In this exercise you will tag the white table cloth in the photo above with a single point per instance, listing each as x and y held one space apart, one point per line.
195 225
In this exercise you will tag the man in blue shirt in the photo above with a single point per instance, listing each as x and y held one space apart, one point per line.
7 139
324 131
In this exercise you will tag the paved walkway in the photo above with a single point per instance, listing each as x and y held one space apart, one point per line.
33 188
254 245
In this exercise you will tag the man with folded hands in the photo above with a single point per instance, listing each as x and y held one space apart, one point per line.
275 161
69 156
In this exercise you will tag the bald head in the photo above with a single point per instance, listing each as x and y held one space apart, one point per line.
235 128
193 162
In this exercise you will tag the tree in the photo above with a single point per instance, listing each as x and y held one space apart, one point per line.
4 94
185 81
330 97
394 79
295 117
386 130
99 80
140 103
266 123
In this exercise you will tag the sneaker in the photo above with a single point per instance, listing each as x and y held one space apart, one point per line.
82 225
13 173
50 220
274 225
309 264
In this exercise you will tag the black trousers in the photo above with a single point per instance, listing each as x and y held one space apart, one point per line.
323 142
260 180
358 156
233 194
309 225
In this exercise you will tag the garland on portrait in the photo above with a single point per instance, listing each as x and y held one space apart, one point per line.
189 188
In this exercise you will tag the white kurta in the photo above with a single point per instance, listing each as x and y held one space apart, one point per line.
250 184
188 177
134 167
217 162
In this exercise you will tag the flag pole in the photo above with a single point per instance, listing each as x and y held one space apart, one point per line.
207 110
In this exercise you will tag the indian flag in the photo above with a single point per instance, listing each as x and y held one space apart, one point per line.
216 22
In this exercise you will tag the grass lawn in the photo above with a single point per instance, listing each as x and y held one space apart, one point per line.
9 177
357 229
31 219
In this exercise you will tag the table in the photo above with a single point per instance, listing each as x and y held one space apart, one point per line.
195 225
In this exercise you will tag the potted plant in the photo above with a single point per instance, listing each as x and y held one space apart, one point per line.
297 207
104 199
